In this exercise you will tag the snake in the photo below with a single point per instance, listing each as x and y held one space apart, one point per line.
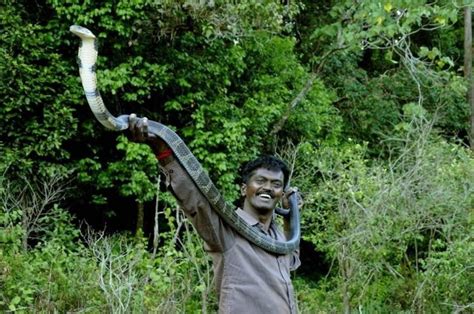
86 59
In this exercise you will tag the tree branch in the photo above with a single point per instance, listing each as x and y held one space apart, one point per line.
304 91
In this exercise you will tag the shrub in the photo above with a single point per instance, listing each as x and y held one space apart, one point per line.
395 231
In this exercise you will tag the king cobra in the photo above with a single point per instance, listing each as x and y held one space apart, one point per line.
86 60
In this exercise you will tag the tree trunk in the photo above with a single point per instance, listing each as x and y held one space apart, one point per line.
468 68
26 232
140 215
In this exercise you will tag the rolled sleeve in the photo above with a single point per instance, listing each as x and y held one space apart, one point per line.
295 261
197 208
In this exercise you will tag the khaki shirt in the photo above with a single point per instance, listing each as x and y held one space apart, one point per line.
248 279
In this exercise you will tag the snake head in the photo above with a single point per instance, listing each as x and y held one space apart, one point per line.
82 32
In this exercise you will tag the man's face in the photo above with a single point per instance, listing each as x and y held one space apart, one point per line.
263 190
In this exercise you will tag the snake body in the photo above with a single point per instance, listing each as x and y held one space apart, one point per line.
87 58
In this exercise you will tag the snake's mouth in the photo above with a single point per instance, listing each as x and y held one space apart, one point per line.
81 31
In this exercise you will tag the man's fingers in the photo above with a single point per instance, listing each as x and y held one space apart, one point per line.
299 198
288 193
300 201
138 127
132 121
145 127
142 128
291 190
286 202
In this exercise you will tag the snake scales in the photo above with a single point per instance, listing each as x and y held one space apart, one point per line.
87 58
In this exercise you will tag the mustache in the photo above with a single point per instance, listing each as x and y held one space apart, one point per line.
272 195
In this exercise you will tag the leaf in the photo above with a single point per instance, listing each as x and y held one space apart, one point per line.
440 20
379 20
16 300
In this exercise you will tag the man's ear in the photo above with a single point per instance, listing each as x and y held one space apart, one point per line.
243 189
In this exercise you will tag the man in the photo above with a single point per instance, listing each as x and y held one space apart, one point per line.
248 278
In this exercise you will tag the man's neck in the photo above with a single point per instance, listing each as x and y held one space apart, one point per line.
264 219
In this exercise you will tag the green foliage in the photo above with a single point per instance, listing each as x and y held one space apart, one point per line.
316 297
450 262
181 279
217 20
135 174
36 94
42 266
235 126
117 273
376 24
111 273
49 277
315 119
379 56
389 226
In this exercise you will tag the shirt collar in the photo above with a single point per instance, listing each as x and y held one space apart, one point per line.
247 217
251 220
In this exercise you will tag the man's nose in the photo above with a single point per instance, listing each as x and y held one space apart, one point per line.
267 186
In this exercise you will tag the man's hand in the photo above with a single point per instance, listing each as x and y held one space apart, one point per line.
285 200
138 128
286 204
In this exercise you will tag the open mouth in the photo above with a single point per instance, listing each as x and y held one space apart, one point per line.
265 196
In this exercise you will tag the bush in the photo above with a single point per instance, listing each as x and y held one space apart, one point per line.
397 232
57 271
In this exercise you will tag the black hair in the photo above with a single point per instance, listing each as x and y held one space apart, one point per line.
268 162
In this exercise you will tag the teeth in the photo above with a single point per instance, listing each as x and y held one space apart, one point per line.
265 196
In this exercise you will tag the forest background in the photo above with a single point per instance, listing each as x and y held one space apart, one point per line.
366 100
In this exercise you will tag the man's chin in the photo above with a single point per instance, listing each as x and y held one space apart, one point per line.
264 209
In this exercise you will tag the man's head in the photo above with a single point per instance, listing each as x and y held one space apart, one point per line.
263 184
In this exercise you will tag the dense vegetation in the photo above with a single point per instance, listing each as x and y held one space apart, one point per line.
364 99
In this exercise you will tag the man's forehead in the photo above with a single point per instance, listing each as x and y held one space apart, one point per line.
269 173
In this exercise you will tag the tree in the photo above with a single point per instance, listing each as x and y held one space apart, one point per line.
380 56
468 68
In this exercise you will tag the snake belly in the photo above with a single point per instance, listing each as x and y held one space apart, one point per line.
87 57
